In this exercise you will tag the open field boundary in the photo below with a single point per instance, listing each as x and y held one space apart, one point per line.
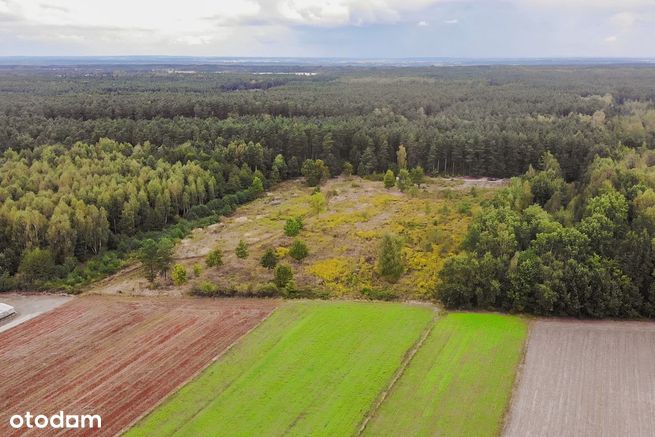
399 373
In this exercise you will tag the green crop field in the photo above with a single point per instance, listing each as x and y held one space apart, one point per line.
460 381
311 368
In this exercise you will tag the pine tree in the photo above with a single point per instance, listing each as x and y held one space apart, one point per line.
242 250
269 260
214 258
298 250
389 264
404 180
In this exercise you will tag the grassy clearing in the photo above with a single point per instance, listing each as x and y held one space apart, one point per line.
311 368
460 381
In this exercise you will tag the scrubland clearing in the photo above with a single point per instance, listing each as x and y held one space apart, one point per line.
343 239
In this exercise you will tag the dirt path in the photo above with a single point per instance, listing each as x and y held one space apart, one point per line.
586 379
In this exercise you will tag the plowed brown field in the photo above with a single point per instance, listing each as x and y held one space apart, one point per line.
112 356
586 379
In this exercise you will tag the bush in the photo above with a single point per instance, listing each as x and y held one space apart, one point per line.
318 202
206 288
7 282
37 265
315 171
283 275
216 205
347 169
389 179
298 250
404 180
417 175
269 260
198 211
375 294
197 269
293 226
390 264
179 275
257 186
242 250
267 290
464 207
214 258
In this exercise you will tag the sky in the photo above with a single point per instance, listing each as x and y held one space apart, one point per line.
329 28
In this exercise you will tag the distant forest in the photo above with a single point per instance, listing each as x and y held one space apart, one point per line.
93 159
491 121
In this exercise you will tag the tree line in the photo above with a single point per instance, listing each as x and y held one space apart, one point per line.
550 247
74 203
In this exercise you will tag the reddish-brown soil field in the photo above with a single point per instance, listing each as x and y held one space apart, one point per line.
586 379
114 356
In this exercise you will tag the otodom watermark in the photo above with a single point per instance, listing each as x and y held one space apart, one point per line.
56 421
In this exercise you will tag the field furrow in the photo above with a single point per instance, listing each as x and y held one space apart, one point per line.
460 381
116 357
586 379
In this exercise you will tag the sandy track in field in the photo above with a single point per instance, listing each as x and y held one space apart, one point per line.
586 379
115 356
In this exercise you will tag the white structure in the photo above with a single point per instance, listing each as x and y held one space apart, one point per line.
6 310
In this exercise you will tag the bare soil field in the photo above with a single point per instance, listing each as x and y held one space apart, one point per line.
586 379
115 356
28 306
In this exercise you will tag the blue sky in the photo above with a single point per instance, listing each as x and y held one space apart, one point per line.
340 28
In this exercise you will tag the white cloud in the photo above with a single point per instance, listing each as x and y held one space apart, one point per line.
312 12
344 12
588 4
311 27
195 40
159 16
624 20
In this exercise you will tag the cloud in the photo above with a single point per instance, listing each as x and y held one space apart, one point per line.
329 27
624 20
160 16
349 12
195 40
587 4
